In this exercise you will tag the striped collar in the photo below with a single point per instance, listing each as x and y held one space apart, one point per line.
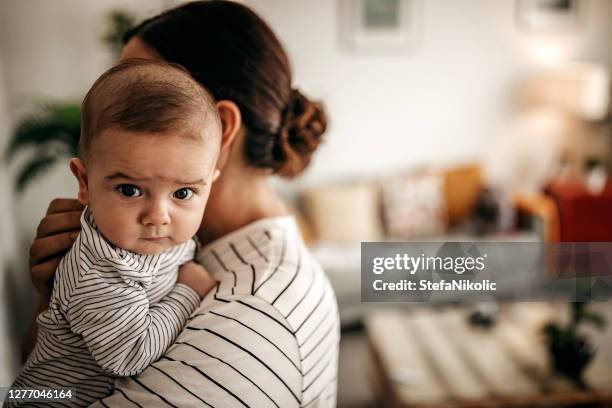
131 266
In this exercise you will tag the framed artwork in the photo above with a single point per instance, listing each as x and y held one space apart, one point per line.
549 15
380 26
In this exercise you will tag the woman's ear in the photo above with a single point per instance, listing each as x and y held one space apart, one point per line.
216 175
231 122
77 167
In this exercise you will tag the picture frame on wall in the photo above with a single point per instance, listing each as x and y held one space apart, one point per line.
550 16
380 26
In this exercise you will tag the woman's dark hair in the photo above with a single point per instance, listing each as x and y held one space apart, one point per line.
235 55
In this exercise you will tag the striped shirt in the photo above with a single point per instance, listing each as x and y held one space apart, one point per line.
112 313
267 336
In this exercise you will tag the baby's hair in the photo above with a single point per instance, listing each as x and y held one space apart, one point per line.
141 95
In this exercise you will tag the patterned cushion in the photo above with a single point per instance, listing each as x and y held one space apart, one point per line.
414 205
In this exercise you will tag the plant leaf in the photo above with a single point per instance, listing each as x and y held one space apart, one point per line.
32 169
595 318
58 123
68 114
119 22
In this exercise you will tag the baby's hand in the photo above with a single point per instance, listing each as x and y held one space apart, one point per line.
196 277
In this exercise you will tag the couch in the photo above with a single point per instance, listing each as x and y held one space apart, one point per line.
337 217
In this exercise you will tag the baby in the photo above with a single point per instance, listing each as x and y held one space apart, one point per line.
150 136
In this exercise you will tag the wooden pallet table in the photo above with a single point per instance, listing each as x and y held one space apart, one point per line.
434 358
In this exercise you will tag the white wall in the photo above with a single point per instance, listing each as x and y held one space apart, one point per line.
444 102
8 274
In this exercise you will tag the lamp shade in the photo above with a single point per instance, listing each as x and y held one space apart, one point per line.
580 89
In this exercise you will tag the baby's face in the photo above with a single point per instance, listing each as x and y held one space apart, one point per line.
147 192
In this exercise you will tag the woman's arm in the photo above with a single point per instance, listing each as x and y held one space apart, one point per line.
54 237
233 353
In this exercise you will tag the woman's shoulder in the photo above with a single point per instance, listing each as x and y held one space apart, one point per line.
270 273
267 259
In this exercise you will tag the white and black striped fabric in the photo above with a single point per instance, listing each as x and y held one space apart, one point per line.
267 336
112 313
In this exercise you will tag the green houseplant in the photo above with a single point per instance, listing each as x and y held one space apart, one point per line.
51 134
118 23
571 351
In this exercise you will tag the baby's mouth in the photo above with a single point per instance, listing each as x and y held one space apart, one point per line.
154 239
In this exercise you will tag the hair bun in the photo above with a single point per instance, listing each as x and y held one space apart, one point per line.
302 126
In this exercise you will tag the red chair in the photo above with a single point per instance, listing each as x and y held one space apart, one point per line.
583 216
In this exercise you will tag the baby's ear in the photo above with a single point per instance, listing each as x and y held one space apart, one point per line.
77 167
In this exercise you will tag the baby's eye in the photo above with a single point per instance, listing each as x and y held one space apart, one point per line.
183 194
129 190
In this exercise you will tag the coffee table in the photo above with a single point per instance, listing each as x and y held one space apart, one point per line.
435 358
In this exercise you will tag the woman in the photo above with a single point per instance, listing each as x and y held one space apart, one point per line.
268 335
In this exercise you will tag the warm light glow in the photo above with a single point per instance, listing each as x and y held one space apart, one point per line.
548 52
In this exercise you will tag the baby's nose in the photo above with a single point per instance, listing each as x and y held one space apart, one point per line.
156 214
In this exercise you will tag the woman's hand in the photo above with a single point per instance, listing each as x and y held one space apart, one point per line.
54 237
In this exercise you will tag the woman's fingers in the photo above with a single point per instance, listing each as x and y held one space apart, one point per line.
54 245
64 204
56 223
42 275
54 237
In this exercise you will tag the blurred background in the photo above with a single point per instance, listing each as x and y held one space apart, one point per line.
449 120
